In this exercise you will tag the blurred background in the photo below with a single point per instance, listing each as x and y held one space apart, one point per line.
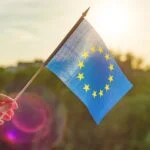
50 117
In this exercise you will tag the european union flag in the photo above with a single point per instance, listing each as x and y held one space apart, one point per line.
86 66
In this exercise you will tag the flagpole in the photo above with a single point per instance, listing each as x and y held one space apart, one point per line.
51 56
29 82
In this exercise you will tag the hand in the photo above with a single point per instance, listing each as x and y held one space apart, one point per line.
7 107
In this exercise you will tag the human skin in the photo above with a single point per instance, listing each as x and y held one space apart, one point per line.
7 107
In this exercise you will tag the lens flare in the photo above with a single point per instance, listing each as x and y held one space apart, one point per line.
32 117
37 124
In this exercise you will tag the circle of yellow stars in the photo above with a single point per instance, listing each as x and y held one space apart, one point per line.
80 75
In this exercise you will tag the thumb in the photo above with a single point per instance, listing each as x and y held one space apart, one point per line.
5 107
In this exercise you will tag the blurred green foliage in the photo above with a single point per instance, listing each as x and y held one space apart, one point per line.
126 127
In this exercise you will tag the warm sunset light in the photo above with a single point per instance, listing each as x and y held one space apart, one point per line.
123 25
113 23
74 74
111 19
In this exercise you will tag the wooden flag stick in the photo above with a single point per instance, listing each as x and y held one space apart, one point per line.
51 56
29 82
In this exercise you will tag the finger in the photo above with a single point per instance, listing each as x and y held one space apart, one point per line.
5 107
5 98
14 105
10 112
7 117
1 122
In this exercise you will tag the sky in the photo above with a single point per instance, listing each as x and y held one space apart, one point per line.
32 29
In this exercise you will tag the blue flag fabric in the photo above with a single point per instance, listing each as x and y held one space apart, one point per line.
86 66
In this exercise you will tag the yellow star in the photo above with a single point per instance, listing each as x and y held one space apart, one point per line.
111 67
101 93
80 76
93 49
107 57
81 64
86 87
107 87
100 50
85 55
111 78
94 94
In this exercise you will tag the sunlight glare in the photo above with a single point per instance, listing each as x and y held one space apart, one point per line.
110 20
